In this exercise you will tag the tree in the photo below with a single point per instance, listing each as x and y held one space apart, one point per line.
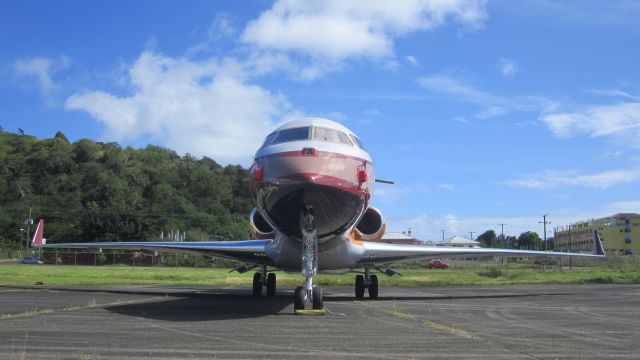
551 242
61 136
529 240
93 191
488 239
510 242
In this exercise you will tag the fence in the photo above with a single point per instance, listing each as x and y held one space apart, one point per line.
117 257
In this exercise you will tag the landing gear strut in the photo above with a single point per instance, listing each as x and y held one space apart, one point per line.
308 294
369 282
262 279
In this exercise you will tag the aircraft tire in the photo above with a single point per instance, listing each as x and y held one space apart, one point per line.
373 287
257 286
359 286
271 284
298 303
317 298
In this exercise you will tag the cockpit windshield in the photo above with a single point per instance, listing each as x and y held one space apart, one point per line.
286 135
315 133
331 135
357 141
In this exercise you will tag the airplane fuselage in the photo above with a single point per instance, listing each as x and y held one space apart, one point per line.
318 164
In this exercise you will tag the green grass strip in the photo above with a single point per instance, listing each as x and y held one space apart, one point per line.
466 275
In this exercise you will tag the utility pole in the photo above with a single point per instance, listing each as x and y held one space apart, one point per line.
471 233
545 222
502 233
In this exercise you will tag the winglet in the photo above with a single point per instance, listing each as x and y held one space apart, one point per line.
597 244
37 240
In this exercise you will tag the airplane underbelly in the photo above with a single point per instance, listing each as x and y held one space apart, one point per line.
335 253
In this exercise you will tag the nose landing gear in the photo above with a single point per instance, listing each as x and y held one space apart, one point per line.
308 294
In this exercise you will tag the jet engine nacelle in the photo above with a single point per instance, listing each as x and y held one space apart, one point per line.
371 227
258 227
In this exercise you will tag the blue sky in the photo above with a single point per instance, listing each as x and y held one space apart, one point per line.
482 112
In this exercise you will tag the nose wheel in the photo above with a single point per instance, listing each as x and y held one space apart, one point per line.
301 298
308 294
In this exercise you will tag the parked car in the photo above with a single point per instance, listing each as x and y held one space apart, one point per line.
30 260
437 264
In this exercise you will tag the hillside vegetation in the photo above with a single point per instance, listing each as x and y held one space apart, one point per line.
92 191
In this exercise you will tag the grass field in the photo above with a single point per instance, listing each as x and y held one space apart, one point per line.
462 275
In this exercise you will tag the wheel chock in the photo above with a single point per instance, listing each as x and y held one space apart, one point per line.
310 312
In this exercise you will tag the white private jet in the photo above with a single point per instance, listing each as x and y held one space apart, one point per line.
312 181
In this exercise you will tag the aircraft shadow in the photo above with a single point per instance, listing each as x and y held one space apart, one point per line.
216 306
202 304
440 297
206 307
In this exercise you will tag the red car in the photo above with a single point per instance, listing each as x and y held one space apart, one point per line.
437 264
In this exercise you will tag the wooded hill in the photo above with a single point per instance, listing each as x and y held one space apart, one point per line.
92 191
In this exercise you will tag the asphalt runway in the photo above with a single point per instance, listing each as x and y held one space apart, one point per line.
497 322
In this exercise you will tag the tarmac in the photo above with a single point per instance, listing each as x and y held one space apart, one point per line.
487 322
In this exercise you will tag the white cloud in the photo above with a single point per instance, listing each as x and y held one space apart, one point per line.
492 111
391 194
552 179
41 69
612 154
336 116
623 207
449 187
429 227
412 60
508 67
621 120
461 120
449 84
614 93
341 29
373 112
201 108
221 27
452 223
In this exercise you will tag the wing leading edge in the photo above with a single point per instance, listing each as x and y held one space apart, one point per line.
381 253
253 251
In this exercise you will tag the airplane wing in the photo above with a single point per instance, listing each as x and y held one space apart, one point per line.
253 251
384 253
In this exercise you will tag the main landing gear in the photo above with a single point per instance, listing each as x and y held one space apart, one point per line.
369 282
308 294
263 280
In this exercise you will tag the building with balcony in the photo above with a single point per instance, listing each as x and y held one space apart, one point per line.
620 235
